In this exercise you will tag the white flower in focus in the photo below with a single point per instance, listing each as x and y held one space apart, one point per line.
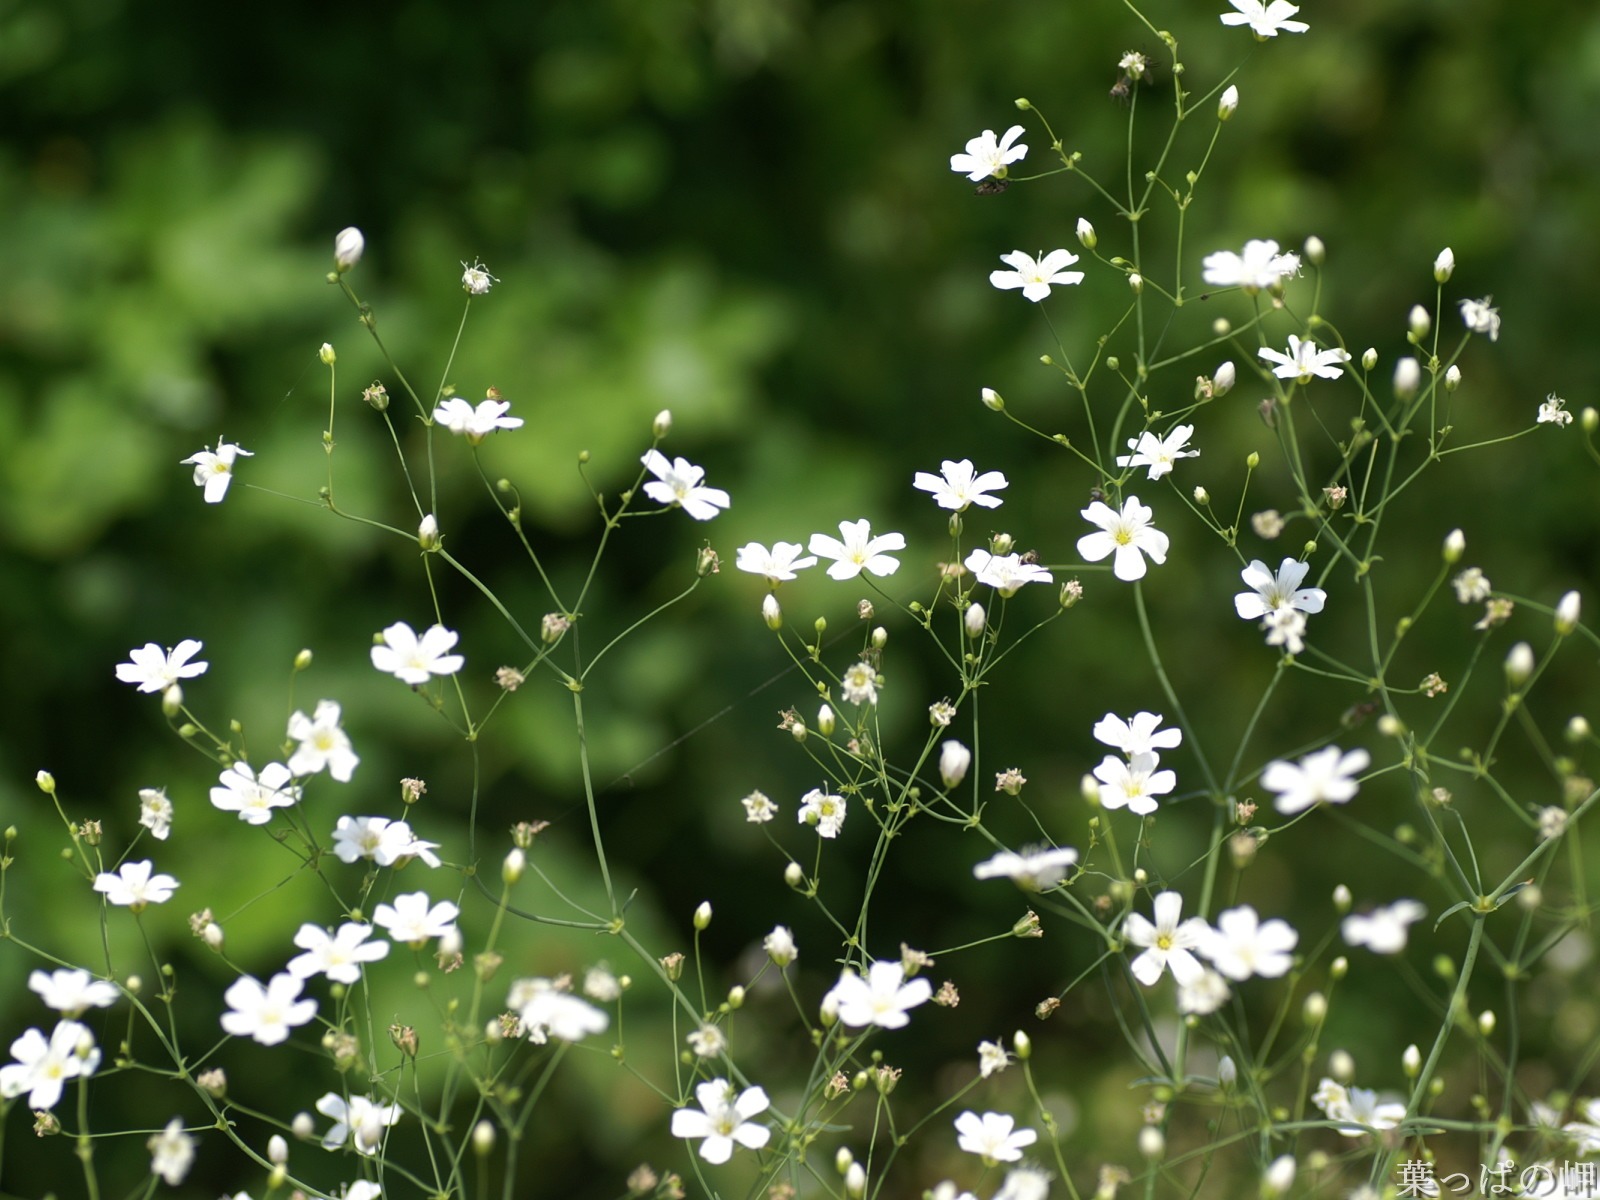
1141 734
1477 316
723 1119
1031 870
778 564
881 999
475 280
155 812
155 669
822 810
266 1013
415 919
1258 268
171 1152
859 551
549 1011
780 947
413 660
1286 627
1304 361
992 1058
381 840
133 886
42 1068
1205 995
213 469
254 796
1273 592
1168 943
1005 573
475 423
958 485
322 743
1133 784
859 683
678 482
359 1115
992 1136
1241 945
1326 776
1036 276
1126 533
1554 411
985 156
1265 20
338 956
1159 454
70 991
1383 930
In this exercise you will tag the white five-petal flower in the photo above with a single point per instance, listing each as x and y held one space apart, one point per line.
992 1136
1159 454
1005 573
1265 20
1140 734
1032 870
1258 268
826 812
985 156
171 1152
213 469
678 482
42 1067
322 743
70 991
359 1115
266 1013
413 660
155 812
1036 276
475 422
155 669
959 485
1383 930
1326 776
858 551
338 955
254 796
133 885
1168 943
778 564
381 840
550 1011
1133 784
1127 533
415 919
1477 316
881 999
723 1119
1273 592
1242 945
1304 360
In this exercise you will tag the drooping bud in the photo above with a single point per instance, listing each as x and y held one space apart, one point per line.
772 612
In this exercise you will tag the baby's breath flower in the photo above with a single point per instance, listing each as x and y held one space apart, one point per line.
1477 316
941 713
758 808
1009 781
1554 411
476 280
1471 586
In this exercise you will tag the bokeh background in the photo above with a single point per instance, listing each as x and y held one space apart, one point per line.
739 210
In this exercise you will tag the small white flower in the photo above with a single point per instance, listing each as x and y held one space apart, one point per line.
758 808
1241 945
678 482
266 1013
338 956
986 156
723 1119
359 1115
322 743
992 1136
475 423
548 1011
1326 776
254 796
1205 995
415 919
1472 586
42 1067
70 991
133 886
1140 734
1358 1107
1383 930
992 1058
1005 573
778 564
1031 870
385 842
708 1041
1272 592
1304 360
824 811
1024 1183
1554 411
1477 316
1126 533
155 670
859 683
414 660
1286 627
1159 454
1167 943
858 551
1036 276
155 812
1258 268
1265 20
958 485
780 947
1133 784
882 998
213 469
475 280
171 1152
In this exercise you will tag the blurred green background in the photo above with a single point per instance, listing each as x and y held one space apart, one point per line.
739 210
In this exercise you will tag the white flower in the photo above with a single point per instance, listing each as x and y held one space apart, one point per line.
1258 268
213 469
758 808
992 1136
777 564
881 999
708 1041
1265 20
42 1068
1036 276
822 810
155 669
1472 586
1273 592
460 417
475 280
413 660
1357 1106
958 485
780 947
1025 1183
155 812
1005 573
322 743
722 1119
1134 784
547 1011
1383 930
361 1116
1326 776
985 156
678 482
1141 734
338 956
1167 943
1304 360
992 1058
1241 945
1554 411
266 1013
385 842
1286 627
1126 533
134 886
254 796
171 1152
1031 870
70 991
859 551
1205 995
859 683
1159 454
415 919
348 247
1477 316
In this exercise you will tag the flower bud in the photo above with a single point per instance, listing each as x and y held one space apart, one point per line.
794 875
1086 234
277 1150
1022 1044
327 355
1567 611
1341 1066
1228 104
880 638
172 701
1369 358
1279 1177
302 660
772 612
1411 1061
974 619
954 759
428 533
1577 730
702 915
1252 460
736 996
1222 382
514 864
1152 1142
211 934
1227 1071
1315 1008
1339 968
1135 282
1455 545
706 562
1589 418
1444 266
1089 789
302 1125
46 782
992 400
825 721
662 425
1315 250
1419 322
843 1159
1486 1022
1201 496
1519 664
855 1181
483 1137
1407 377
1452 378
348 247
1002 544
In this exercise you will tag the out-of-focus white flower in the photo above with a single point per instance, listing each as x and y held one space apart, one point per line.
1383 930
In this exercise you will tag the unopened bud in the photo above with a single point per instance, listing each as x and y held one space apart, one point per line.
211 934
1152 1142
842 1159
1589 418
1519 664
974 619
1089 789
514 864
1022 1044
992 400
702 915
1252 460
794 875
1136 282
1279 1177
46 782
1201 496
1577 730
1407 377
1455 545
855 1181
954 759
1086 234
302 1125
1411 1061
706 562
1444 265
1315 1008
662 425
1486 1022
1452 378
1338 968
428 533
1342 1066
736 996
302 660
1567 612
1315 250
483 1137
772 612
348 247
825 721
327 355
1228 104
1222 382
1419 322
1227 1071
1369 358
